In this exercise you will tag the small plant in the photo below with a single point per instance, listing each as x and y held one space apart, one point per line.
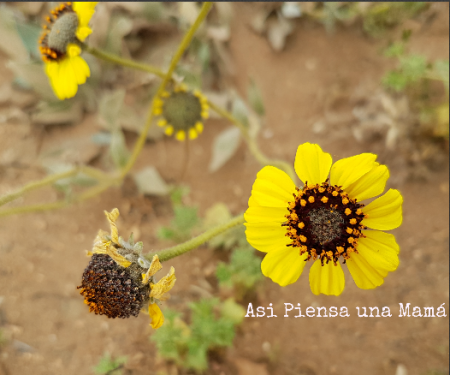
212 326
184 221
384 15
411 68
242 272
413 71
109 365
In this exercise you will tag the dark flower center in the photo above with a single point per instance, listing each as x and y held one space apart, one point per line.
182 110
324 222
111 290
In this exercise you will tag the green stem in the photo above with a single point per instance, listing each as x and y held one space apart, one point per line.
124 62
88 194
36 185
178 54
195 242
34 208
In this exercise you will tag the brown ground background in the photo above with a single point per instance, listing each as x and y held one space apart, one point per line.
42 255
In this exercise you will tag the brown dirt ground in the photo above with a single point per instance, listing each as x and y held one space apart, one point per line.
42 255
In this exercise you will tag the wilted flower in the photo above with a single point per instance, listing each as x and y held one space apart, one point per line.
118 281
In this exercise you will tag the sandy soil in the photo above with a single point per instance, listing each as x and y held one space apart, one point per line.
42 255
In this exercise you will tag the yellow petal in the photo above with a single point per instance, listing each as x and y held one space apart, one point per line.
73 50
252 202
312 165
273 188
261 214
169 130
199 127
181 135
267 236
156 315
377 255
65 83
162 122
155 266
327 279
119 259
84 10
192 133
283 266
80 69
83 32
370 185
112 217
385 212
164 285
347 171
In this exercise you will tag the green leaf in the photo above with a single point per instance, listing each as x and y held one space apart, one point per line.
244 269
395 50
110 366
150 182
109 108
118 149
232 311
441 67
239 110
30 33
255 98
224 147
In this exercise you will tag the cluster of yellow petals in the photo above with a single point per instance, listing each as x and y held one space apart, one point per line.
195 129
361 177
70 71
158 291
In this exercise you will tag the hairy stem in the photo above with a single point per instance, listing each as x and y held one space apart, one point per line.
37 184
176 58
124 62
195 242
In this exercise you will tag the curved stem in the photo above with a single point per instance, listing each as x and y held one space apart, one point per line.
178 54
37 184
251 142
195 242
124 62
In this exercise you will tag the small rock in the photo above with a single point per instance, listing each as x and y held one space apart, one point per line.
21 347
401 370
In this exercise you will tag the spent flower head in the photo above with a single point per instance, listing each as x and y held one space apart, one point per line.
67 26
325 222
182 112
119 281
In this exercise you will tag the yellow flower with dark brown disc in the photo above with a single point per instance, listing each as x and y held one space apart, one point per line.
182 112
67 26
119 281
324 221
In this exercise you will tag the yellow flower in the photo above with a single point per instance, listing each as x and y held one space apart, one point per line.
182 112
292 229
68 25
118 281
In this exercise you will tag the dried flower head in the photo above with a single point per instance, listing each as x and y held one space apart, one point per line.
182 112
119 281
